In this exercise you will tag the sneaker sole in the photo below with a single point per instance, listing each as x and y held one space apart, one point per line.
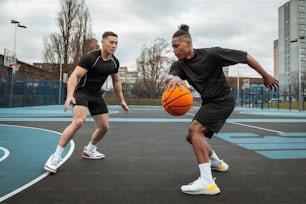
50 170
94 158
220 170
203 192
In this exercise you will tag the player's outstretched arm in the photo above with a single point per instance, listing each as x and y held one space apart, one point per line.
269 80
71 85
118 89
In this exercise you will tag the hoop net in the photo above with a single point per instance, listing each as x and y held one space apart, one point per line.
15 67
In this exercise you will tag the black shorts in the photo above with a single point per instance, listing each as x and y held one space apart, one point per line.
93 101
213 115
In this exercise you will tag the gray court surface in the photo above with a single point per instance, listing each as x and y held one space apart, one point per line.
148 159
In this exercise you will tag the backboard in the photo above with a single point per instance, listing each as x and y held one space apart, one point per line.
9 57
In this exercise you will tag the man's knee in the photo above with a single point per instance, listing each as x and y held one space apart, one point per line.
195 130
104 126
188 139
78 122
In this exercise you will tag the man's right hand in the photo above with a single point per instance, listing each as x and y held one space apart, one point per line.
69 100
173 81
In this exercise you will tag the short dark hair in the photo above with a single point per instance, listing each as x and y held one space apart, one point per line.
183 30
109 33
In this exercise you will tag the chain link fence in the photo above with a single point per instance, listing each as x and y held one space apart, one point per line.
18 90
264 98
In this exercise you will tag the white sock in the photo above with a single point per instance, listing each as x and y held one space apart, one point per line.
205 172
59 151
90 146
215 160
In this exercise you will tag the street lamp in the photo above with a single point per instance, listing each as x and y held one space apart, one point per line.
60 80
238 86
289 90
298 40
60 58
17 24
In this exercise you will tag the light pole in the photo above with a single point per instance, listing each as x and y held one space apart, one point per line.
60 62
289 90
238 86
17 24
298 40
61 80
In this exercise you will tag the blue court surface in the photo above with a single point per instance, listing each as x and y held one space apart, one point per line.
23 151
148 158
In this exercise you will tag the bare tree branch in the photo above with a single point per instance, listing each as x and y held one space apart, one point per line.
74 31
153 65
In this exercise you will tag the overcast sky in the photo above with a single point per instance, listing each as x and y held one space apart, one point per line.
251 26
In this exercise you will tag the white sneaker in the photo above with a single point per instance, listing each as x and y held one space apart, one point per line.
92 154
52 163
200 186
222 167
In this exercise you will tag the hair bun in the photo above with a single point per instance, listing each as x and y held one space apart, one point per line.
184 27
183 30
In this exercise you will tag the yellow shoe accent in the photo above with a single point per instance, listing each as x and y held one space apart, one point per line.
223 167
212 187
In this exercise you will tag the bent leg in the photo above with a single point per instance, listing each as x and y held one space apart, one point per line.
197 139
102 127
90 151
79 117
205 184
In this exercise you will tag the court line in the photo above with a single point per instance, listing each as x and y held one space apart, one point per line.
44 175
256 127
183 120
231 121
6 153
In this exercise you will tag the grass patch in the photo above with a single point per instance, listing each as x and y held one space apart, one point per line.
134 101
157 102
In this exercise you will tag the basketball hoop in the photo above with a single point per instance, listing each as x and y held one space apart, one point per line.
9 57
15 67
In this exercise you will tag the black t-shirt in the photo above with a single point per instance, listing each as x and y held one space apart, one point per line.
98 70
204 71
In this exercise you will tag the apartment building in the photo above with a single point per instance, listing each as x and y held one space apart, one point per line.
290 48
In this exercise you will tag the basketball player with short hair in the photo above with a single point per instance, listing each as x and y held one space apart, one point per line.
84 92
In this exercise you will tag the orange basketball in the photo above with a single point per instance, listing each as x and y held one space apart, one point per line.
177 101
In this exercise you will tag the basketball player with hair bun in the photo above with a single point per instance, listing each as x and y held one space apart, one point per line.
202 68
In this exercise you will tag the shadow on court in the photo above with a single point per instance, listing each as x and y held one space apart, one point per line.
147 161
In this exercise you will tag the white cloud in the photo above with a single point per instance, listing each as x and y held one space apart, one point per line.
247 25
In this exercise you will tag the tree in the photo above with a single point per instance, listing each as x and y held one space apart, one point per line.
153 64
73 39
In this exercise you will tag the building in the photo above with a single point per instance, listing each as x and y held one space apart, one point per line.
128 80
226 71
27 70
275 59
291 56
